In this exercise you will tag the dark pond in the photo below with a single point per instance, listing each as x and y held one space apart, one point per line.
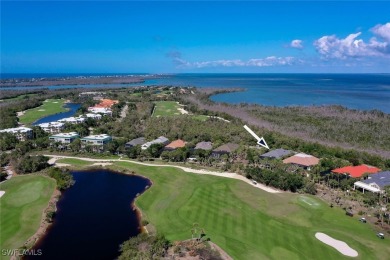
94 217
72 108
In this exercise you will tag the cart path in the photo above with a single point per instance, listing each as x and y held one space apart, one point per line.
231 175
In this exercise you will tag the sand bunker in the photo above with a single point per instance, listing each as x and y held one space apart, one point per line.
182 110
1 193
340 246
20 113
41 110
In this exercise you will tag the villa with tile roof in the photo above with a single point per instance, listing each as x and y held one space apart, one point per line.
303 160
356 171
175 145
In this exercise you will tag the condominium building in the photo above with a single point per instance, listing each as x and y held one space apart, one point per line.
21 133
72 120
100 140
65 138
52 127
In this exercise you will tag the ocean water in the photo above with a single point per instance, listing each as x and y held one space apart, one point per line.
356 91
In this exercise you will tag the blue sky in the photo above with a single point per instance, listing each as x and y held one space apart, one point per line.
175 37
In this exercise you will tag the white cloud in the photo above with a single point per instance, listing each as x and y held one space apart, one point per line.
382 31
296 44
331 46
262 62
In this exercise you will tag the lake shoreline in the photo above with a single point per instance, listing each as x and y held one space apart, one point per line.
45 226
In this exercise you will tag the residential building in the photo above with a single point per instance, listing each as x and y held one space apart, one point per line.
303 160
376 182
135 142
107 103
98 140
72 120
276 154
52 127
65 138
104 107
21 133
161 140
175 145
224 149
204 146
93 116
100 110
356 171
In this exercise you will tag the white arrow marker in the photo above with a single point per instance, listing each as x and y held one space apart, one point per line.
260 141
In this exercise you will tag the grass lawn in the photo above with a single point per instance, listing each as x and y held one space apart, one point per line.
75 162
200 117
166 108
247 222
49 107
21 207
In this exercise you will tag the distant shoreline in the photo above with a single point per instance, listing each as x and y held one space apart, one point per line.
73 80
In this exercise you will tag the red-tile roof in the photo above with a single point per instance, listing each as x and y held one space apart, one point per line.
106 103
176 144
356 171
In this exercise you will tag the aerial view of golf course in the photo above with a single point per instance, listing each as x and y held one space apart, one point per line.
246 221
195 130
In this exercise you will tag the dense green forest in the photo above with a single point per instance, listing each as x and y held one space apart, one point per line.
332 126
367 129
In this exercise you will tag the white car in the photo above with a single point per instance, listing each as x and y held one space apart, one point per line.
380 235
254 182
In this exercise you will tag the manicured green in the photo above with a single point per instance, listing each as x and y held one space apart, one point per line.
49 107
247 222
166 108
22 205
75 162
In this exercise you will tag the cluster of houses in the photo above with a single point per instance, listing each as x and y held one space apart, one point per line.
104 107
96 112
171 146
376 180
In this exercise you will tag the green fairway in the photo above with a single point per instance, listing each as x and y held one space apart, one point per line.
75 162
166 108
49 107
247 222
21 207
